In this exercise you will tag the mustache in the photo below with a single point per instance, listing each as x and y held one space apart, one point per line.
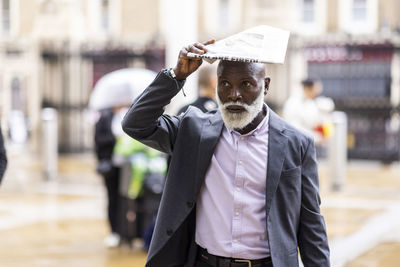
236 103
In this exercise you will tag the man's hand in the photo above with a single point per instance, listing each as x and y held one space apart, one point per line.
187 65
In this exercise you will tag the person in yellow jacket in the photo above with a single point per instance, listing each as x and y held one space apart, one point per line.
142 181
143 160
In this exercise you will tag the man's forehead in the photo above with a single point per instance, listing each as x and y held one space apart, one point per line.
237 66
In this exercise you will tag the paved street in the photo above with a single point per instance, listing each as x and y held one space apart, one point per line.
362 219
61 222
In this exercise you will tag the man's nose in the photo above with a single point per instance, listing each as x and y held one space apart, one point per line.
235 95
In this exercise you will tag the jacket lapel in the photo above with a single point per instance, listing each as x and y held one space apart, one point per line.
210 134
277 145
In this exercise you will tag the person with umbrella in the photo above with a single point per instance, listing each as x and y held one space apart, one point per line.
104 141
112 93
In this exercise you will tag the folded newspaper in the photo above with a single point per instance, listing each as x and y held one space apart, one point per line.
264 44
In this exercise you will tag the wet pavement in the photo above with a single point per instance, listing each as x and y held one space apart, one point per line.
61 222
364 216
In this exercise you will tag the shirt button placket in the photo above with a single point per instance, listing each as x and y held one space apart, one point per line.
238 184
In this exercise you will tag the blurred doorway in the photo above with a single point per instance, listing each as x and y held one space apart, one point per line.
358 78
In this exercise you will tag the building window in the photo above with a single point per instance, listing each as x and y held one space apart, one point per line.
5 16
308 11
359 10
105 17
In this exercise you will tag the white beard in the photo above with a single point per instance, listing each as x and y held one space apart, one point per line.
240 120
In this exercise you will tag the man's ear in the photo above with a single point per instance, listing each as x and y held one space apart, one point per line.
267 80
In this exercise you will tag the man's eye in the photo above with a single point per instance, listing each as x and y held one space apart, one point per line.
246 84
225 84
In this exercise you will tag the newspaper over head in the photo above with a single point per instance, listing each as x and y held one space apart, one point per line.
263 44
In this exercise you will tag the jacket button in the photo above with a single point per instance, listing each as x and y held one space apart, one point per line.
189 204
169 232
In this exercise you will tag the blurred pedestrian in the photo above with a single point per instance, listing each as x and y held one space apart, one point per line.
142 180
309 111
111 95
3 157
104 146
242 187
206 84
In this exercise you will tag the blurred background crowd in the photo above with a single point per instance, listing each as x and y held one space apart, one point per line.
343 57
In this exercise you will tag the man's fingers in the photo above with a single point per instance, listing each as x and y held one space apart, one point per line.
203 46
209 42
196 48
184 54
187 65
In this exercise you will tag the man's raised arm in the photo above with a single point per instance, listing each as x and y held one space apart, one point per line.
145 120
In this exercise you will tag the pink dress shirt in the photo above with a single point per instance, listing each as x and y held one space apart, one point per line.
230 214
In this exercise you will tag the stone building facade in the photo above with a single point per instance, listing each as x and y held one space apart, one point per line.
52 52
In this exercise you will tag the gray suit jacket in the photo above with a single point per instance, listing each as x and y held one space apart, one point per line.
292 199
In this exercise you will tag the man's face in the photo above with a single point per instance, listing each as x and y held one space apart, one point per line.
240 92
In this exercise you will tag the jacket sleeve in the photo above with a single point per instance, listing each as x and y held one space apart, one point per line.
145 120
312 238
3 157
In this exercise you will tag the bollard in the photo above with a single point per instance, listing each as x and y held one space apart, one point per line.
49 143
337 152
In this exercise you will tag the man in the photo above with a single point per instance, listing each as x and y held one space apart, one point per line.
3 157
207 82
242 187
308 111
